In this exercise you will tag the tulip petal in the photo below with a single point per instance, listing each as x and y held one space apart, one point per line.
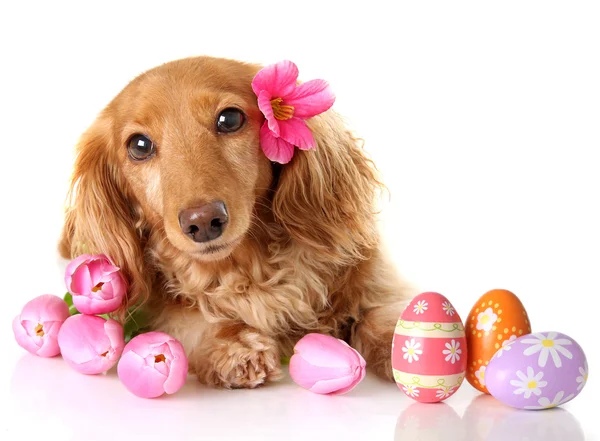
178 369
23 338
264 104
311 98
72 267
50 346
90 344
85 305
139 378
296 132
81 281
108 267
358 376
276 149
105 292
278 79
307 374
143 375
335 386
95 268
114 332
326 351
44 308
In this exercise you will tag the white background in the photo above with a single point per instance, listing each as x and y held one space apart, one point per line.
483 117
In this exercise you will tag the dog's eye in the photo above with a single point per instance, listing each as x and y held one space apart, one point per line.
140 147
230 120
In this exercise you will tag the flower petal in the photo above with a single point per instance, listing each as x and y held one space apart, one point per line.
86 345
334 386
44 308
114 332
278 79
86 305
276 149
81 281
532 350
139 378
72 267
311 98
264 104
296 132
324 350
23 339
179 368
555 358
94 266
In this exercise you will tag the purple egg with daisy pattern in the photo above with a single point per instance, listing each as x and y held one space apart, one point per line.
537 371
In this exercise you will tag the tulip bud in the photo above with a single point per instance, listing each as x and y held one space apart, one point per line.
97 286
90 344
152 364
326 365
36 328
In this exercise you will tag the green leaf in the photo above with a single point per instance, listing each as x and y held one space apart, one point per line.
135 323
68 298
285 361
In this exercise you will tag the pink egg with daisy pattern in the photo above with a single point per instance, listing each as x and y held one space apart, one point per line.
429 349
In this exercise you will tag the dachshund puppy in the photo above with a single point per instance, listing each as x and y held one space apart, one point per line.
233 255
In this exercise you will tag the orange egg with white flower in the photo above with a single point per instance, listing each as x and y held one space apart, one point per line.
496 319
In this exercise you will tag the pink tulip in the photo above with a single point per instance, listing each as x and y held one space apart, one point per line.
90 344
36 328
285 106
326 365
97 286
152 364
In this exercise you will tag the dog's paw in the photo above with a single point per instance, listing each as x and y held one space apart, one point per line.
246 360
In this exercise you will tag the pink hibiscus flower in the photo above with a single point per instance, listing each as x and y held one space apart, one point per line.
286 106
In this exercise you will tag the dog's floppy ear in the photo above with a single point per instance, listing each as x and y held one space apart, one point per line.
101 217
326 198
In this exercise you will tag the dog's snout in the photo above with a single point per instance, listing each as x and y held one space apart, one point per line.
204 223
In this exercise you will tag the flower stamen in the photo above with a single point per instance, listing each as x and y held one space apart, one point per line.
159 358
39 330
281 112
98 287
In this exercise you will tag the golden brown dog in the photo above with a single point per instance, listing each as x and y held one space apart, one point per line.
234 256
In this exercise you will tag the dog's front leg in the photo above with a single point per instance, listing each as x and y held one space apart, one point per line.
236 356
225 354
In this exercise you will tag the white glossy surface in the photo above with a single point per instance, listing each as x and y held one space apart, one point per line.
482 116
44 399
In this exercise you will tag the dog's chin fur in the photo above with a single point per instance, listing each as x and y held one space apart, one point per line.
302 249
214 253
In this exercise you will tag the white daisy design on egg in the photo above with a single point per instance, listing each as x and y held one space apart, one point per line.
530 384
420 307
547 345
486 319
411 350
545 403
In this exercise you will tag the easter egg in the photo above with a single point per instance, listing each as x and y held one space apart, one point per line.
496 319
429 349
537 371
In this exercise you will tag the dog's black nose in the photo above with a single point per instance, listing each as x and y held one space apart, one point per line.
204 223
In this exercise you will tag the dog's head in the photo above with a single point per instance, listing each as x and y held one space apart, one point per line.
178 150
